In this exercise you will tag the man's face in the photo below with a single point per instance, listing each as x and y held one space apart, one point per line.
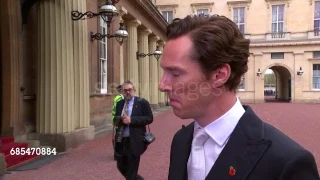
188 89
120 91
128 91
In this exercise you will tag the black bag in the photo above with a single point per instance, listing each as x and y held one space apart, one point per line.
148 138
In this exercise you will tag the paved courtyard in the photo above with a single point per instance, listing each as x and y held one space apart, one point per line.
94 159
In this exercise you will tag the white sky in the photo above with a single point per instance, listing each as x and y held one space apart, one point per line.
269 71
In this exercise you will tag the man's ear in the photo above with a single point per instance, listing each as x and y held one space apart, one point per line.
220 76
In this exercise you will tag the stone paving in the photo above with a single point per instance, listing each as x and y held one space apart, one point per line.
94 159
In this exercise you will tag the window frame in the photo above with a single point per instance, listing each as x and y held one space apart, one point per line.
166 18
200 6
314 18
103 76
274 53
168 7
313 76
202 9
316 54
277 18
244 18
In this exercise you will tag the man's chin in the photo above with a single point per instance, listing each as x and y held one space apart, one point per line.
179 113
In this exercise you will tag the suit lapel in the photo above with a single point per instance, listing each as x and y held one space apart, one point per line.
243 150
121 105
135 106
182 153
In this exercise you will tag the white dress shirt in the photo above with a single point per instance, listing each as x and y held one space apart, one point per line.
219 132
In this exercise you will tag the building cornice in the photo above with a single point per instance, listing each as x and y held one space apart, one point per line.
196 6
203 4
238 3
147 7
314 59
274 44
165 6
277 1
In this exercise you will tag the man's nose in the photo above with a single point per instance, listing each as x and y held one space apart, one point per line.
164 85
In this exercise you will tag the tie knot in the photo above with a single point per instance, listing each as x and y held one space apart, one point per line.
200 137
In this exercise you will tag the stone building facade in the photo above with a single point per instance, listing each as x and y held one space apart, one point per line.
284 37
58 83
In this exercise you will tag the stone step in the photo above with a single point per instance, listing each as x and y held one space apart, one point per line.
33 136
103 130
33 143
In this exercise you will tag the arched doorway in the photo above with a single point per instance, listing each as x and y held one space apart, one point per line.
277 84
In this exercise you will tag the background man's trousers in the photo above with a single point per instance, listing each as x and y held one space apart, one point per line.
127 163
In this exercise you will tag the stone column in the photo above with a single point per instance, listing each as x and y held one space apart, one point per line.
121 64
81 69
259 82
132 64
161 95
144 71
122 12
11 56
299 82
154 79
56 92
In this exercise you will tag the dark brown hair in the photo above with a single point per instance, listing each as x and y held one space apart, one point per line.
129 82
216 41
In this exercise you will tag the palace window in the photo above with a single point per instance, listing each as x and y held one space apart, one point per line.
202 8
277 18
103 58
316 54
202 11
317 17
238 18
316 76
168 15
278 55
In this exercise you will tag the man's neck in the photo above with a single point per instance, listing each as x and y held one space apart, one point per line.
216 109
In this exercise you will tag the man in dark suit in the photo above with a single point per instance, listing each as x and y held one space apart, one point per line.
132 115
203 62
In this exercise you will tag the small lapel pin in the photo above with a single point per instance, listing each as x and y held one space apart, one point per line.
232 171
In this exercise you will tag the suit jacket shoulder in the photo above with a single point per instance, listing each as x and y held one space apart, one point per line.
140 99
288 158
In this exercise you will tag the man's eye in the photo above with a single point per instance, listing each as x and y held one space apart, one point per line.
175 74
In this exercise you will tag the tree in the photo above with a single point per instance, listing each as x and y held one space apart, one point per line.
270 79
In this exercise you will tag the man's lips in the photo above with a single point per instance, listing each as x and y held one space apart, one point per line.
173 100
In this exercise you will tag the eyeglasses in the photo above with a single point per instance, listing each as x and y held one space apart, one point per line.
127 90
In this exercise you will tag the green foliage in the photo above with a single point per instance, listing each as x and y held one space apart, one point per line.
270 79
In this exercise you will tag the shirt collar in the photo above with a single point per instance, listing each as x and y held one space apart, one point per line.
131 100
221 129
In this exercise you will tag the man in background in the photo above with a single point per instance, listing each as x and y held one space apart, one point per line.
132 116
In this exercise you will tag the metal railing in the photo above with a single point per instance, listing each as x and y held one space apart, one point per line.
278 35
